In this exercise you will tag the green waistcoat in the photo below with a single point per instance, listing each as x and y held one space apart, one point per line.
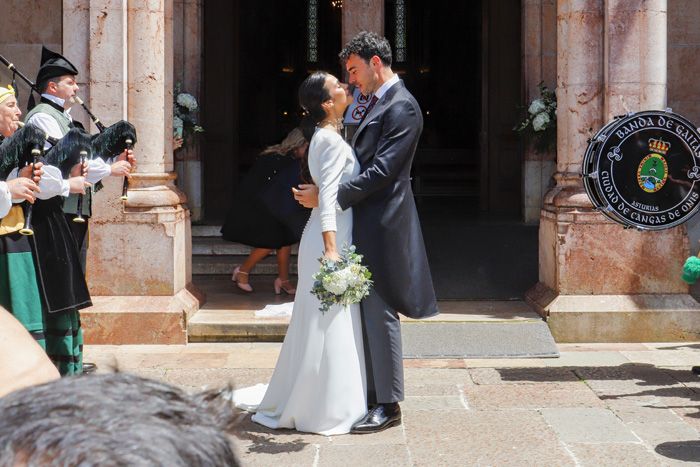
70 204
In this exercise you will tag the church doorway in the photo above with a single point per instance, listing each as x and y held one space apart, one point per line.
462 62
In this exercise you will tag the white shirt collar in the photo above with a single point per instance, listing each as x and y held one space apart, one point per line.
385 87
57 100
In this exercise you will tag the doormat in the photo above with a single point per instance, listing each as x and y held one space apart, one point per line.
501 339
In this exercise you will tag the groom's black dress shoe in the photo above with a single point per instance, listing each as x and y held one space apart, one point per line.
380 417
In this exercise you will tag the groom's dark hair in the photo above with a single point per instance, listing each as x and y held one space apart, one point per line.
366 45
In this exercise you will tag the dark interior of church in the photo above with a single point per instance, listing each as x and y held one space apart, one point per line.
461 60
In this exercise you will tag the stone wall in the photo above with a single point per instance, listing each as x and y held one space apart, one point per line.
24 26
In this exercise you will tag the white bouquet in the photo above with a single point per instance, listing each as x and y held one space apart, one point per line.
540 120
341 282
185 109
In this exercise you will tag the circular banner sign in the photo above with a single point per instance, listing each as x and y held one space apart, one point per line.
643 170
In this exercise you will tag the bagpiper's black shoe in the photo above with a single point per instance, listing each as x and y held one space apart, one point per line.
89 368
379 418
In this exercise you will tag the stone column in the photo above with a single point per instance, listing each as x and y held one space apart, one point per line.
361 15
139 261
595 282
539 51
635 56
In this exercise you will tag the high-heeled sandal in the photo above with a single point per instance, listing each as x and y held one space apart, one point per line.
234 277
287 286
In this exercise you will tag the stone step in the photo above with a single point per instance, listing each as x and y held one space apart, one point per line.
206 231
202 246
229 316
224 264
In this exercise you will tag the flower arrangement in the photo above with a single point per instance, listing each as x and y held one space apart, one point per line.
185 109
541 119
341 282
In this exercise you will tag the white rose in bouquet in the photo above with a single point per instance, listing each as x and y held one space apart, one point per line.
536 107
335 284
540 122
188 101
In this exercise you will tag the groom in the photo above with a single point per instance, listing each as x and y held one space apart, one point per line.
386 229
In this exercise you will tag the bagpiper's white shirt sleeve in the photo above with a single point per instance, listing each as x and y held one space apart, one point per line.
51 183
47 123
5 199
97 170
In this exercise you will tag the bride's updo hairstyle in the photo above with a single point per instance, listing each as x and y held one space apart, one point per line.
312 93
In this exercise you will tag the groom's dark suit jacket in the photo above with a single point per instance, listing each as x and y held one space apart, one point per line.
386 229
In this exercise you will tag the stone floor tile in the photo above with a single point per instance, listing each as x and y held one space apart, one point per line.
514 437
588 425
657 433
633 384
508 362
189 360
263 358
627 454
664 357
278 454
421 376
565 359
450 389
250 433
218 377
684 376
690 415
390 436
600 347
485 376
414 403
530 396
344 455
645 414
433 363
592 358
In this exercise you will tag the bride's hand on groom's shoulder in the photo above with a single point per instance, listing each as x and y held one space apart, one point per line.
306 195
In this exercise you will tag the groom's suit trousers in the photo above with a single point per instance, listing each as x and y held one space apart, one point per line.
383 352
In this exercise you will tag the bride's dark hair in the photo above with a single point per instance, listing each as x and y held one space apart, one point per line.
312 93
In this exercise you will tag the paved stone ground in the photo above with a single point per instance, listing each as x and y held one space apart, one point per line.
598 404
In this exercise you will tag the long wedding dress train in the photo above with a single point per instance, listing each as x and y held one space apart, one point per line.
319 382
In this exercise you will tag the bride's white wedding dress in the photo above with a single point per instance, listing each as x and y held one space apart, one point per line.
319 384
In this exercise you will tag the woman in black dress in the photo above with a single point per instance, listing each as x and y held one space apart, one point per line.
265 215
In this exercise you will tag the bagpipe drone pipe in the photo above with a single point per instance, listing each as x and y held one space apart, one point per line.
21 149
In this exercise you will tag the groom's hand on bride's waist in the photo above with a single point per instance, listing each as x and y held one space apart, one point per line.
306 195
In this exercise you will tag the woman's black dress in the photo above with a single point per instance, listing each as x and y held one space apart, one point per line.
263 212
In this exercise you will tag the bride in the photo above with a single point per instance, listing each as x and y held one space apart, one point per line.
319 383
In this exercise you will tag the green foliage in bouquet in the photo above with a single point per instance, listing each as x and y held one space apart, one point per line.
341 282
540 122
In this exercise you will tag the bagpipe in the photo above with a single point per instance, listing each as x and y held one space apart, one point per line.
23 148
121 137
74 148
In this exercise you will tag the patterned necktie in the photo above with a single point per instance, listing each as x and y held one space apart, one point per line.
369 108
